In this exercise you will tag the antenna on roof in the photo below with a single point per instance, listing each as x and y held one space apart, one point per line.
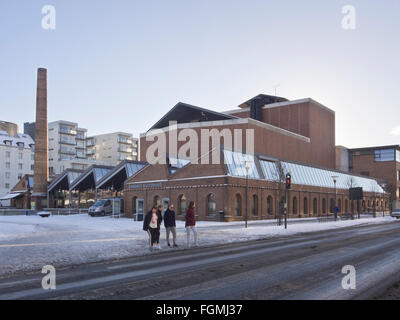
275 87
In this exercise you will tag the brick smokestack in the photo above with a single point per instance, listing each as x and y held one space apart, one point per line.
41 171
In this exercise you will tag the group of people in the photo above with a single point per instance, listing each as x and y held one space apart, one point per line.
152 225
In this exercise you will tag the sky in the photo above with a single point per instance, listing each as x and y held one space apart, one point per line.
121 65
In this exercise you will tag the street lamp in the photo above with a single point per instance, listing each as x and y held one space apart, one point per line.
247 166
335 207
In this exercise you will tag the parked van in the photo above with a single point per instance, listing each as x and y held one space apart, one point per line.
101 208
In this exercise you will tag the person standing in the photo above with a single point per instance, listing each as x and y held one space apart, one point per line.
190 224
170 224
151 224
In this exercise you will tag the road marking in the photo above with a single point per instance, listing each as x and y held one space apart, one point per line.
66 242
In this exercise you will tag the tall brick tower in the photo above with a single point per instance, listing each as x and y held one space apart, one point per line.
41 170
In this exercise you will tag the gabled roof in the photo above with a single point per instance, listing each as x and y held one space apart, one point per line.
116 177
185 113
64 180
90 178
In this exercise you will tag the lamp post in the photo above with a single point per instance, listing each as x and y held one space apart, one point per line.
247 166
335 207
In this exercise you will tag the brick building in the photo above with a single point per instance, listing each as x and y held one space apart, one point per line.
289 136
381 162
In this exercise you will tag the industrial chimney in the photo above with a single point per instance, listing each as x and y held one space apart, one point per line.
41 171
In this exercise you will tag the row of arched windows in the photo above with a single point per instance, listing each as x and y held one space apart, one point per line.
211 205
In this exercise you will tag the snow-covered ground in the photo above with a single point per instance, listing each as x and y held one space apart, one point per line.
30 242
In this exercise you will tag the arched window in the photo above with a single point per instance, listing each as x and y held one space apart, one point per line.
294 205
315 206
305 206
182 205
238 205
269 205
332 206
254 206
323 205
156 201
211 204
134 204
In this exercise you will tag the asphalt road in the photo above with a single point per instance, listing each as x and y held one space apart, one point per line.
306 266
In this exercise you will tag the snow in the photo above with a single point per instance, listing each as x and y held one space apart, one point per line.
28 243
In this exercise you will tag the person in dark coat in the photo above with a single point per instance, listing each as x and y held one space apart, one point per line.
190 224
151 224
170 224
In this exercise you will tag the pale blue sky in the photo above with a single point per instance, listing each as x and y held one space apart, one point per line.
121 65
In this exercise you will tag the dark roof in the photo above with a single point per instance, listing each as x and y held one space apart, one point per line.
396 146
64 179
265 99
116 177
90 178
186 113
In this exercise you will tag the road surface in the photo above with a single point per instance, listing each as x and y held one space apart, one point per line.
306 266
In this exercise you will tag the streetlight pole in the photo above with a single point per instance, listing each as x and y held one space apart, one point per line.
247 166
335 207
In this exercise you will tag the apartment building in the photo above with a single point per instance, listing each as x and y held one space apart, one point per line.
16 159
67 147
112 148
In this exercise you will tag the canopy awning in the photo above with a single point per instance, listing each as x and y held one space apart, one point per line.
11 196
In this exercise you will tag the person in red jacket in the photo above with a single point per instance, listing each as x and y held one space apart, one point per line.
190 224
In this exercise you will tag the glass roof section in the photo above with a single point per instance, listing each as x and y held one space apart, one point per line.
301 174
236 163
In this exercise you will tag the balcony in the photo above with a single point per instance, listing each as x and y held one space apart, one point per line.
124 141
68 142
67 151
125 150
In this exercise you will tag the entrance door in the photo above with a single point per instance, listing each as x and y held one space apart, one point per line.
139 210
165 204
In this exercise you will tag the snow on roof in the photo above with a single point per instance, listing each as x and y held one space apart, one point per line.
19 140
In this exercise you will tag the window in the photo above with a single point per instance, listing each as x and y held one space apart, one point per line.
305 206
32 167
324 205
269 205
294 207
346 206
339 205
315 206
20 155
134 205
238 205
156 201
385 155
8 154
211 204
7 185
254 207
32 156
332 206
7 165
19 176
7 175
182 205
19 166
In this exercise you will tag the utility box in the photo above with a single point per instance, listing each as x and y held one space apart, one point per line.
221 215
